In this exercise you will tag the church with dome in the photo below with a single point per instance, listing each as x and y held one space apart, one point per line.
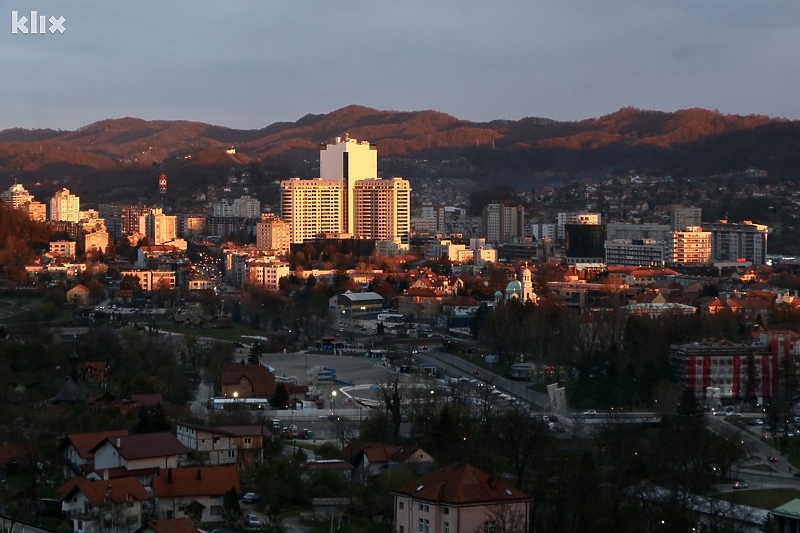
519 289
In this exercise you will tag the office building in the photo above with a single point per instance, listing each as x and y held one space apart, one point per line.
346 161
382 209
635 252
623 230
65 207
585 243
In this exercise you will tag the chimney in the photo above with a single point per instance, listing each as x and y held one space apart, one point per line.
119 443
198 474
169 475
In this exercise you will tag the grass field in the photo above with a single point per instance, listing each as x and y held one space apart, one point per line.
762 498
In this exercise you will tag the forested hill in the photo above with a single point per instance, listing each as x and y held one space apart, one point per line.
691 142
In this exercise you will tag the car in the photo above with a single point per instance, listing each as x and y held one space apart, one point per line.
425 347
773 459
733 414
758 422
476 372
739 485
251 497
590 412
253 520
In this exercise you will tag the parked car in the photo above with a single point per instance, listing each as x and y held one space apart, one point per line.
251 497
773 459
739 485
758 422
590 412
253 520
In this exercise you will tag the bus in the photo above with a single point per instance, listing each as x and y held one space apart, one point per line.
390 317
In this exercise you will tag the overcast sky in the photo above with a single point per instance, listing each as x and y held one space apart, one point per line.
249 63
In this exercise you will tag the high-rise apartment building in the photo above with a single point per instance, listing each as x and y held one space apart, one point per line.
132 217
272 233
16 196
65 206
690 247
35 210
160 228
744 241
683 217
311 207
503 222
243 207
347 161
382 209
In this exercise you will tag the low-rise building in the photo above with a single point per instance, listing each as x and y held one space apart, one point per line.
459 497
237 445
194 492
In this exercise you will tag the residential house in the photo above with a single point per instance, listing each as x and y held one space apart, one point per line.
78 295
238 445
255 381
136 452
194 492
457 498
113 505
371 458
94 371
78 450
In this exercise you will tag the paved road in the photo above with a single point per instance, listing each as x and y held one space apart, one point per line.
293 525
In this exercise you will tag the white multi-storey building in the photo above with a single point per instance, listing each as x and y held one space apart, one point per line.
575 218
272 233
382 209
636 252
16 196
683 217
243 207
159 228
311 207
690 247
503 222
265 273
347 161
65 206
745 241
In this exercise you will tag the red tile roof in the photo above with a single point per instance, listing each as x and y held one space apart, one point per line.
259 376
11 452
84 443
99 492
195 481
147 445
461 484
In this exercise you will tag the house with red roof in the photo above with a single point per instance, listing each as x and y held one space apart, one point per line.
423 303
103 505
457 498
194 492
225 445
94 371
255 381
143 451
371 458
78 450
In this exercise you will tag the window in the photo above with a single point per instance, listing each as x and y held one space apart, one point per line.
421 525
446 527
248 440
231 453
445 510
401 505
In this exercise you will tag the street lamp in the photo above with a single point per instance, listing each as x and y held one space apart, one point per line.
333 401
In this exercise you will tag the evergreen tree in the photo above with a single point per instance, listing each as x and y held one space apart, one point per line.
281 398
